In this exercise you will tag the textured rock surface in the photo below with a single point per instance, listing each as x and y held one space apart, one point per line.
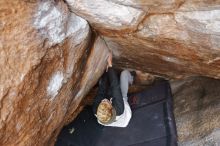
94 68
170 38
45 62
197 108
106 14
49 61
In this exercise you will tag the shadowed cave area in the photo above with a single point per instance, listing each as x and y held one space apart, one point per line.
53 53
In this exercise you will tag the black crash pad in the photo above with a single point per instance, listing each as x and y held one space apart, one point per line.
152 123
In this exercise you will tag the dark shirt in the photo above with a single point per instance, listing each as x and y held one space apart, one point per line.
109 87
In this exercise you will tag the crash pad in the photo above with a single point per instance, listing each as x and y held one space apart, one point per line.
152 123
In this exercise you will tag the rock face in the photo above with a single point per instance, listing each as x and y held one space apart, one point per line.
196 108
46 69
50 59
170 38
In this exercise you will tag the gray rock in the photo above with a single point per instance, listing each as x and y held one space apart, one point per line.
197 108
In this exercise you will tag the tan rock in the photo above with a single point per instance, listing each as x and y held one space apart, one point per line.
49 61
95 66
180 40
44 50
152 6
196 108
107 14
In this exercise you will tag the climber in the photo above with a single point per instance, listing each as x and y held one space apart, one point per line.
111 103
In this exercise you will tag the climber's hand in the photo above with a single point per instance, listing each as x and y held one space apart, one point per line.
109 61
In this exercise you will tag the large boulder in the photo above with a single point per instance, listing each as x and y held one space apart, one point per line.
170 38
50 59
46 66
196 108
